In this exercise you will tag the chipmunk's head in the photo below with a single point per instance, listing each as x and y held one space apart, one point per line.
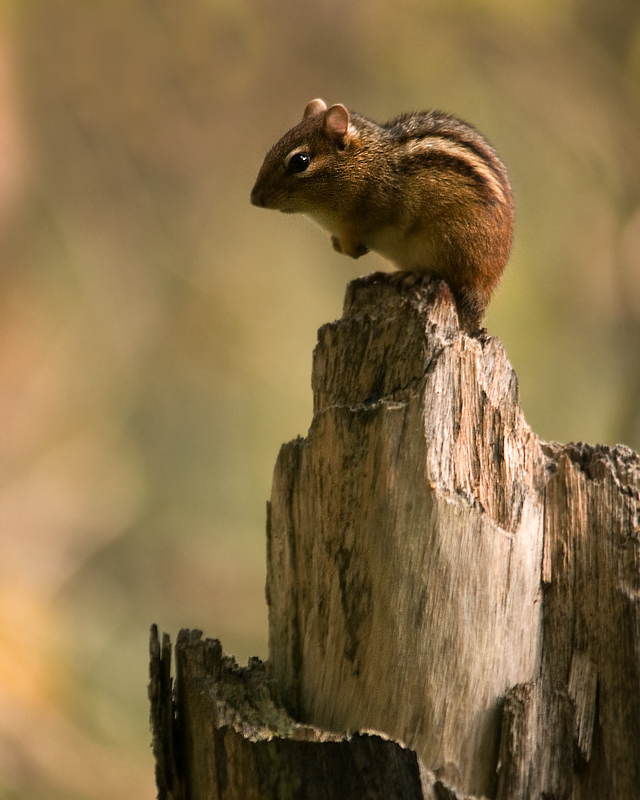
301 173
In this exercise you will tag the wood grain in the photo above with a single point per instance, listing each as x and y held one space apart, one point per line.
405 535
454 605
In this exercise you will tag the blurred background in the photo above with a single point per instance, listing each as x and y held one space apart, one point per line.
156 330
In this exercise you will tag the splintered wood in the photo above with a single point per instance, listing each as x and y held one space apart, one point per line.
437 578
405 549
406 534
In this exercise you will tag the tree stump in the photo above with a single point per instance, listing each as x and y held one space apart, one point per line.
435 573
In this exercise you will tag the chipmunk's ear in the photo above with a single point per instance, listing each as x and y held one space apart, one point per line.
336 122
314 107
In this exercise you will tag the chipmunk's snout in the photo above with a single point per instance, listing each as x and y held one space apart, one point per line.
262 197
257 197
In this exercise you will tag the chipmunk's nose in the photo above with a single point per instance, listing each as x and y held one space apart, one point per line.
257 198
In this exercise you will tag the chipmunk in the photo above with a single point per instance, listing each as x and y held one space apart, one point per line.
425 190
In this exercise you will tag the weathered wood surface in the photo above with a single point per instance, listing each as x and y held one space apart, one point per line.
575 731
222 737
437 573
405 535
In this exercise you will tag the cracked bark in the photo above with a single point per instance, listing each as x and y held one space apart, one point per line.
436 573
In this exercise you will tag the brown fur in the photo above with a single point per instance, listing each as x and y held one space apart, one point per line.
425 190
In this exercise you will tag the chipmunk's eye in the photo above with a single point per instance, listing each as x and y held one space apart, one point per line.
298 162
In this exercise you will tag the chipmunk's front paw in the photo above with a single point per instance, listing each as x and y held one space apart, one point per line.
358 250
348 248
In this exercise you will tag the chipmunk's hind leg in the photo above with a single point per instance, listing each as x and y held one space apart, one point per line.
402 279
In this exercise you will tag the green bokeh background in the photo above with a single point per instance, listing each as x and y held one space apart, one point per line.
156 330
